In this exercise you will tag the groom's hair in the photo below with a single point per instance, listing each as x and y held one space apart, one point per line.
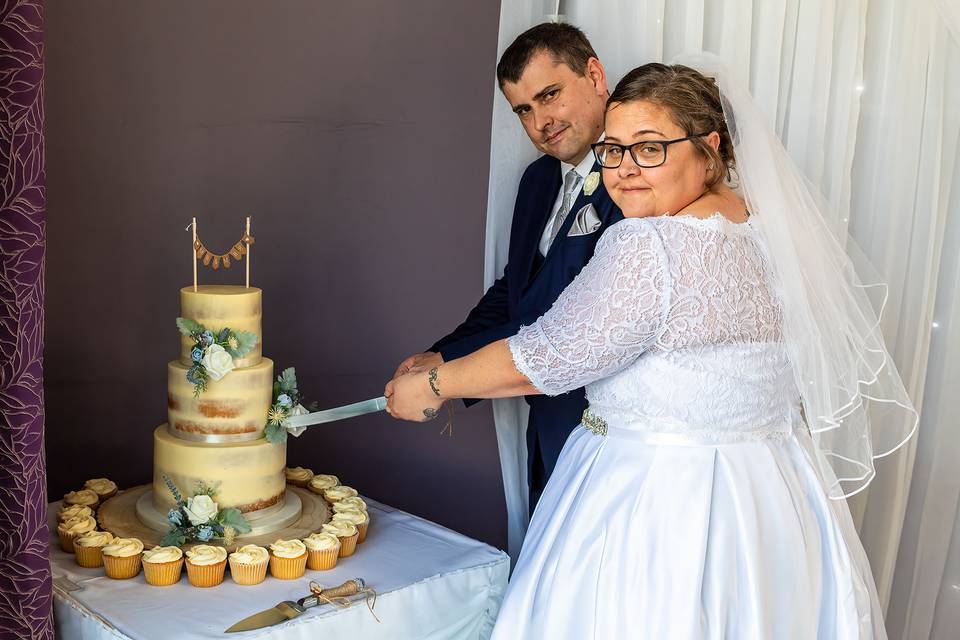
564 42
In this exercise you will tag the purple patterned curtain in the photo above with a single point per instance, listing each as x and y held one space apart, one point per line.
25 584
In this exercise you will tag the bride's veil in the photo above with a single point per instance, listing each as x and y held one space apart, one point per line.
853 398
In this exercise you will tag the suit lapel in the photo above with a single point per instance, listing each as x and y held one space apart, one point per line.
541 207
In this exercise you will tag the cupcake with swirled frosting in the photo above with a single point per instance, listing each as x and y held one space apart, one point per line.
321 482
248 564
348 534
335 494
323 549
356 517
299 476
162 566
103 487
354 502
85 497
206 565
68 512
121 558
73 528
288 559
87 548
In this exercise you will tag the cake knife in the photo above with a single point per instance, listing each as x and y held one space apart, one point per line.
337 413
288 609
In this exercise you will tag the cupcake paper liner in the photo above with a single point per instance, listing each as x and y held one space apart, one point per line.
322 560
206 575
248 574
88 557
163 574
288 568
121 568
348 544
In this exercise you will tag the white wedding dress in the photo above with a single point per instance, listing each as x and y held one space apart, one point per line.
687 505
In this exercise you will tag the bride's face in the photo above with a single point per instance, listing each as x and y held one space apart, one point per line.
662 190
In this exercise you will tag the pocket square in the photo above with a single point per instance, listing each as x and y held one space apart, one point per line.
586 222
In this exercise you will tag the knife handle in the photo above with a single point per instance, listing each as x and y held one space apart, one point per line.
348 588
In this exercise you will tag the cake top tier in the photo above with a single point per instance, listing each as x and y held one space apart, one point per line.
218 307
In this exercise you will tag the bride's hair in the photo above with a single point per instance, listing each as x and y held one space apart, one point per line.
693 101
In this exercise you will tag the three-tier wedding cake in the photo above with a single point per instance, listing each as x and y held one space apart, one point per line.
214 435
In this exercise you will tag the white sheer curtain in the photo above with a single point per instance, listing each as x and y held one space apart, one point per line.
865 95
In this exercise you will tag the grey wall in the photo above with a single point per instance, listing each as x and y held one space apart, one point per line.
356 134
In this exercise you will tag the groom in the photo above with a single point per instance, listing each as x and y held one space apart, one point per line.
557 87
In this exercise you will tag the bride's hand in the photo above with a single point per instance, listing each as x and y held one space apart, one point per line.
409 397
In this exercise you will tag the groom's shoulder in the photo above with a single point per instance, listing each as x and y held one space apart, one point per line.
542 169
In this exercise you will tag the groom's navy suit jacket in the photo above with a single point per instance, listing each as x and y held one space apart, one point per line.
529 286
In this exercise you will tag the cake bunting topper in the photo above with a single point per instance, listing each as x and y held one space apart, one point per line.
240 249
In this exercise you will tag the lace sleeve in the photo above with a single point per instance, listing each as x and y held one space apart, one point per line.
605 318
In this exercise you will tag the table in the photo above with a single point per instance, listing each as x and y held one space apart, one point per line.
432 583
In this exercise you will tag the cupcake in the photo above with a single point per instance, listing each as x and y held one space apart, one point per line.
288 559
248 564
321 482
348 534
355 502
73 511
121 558
298 476
162 566
205 565
356 517
74 527
323 549
86 497
88 546
335 494
104 488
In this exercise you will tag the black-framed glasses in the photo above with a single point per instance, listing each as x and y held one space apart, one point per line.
646 154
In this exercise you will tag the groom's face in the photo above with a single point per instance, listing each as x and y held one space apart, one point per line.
560 110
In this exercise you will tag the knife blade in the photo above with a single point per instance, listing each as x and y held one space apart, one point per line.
337 413
288 609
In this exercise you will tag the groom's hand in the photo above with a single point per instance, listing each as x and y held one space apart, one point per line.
409 397
418 363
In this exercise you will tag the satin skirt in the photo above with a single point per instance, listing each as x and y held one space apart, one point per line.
689 542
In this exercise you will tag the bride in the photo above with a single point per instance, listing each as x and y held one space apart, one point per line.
738 384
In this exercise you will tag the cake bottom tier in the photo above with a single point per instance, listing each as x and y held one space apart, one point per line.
246 475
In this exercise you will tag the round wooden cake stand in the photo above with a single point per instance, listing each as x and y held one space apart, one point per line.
118 515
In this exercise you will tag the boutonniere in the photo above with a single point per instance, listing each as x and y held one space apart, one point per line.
591 183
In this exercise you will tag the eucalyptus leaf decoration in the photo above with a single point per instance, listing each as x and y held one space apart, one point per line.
236 343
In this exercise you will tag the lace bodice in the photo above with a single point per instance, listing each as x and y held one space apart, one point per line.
673 325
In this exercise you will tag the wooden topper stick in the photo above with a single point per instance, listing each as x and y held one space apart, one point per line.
248 253
193 252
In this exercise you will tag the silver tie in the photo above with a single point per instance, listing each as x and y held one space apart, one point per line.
571 182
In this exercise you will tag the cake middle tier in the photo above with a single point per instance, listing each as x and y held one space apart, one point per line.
246 475
231 409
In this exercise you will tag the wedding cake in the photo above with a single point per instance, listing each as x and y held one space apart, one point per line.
218 399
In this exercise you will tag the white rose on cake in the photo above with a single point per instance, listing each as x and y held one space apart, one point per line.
217 362
201 509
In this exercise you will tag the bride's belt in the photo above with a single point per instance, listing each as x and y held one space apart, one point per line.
641 431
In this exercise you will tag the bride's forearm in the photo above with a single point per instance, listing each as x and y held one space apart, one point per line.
487 373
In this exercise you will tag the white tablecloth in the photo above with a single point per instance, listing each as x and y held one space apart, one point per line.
432 583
